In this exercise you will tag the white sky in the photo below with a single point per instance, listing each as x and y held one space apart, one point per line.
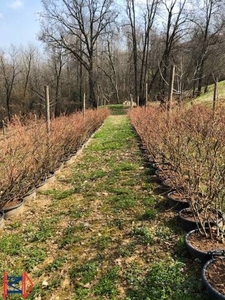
19 23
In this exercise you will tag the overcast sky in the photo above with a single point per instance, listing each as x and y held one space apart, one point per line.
19 23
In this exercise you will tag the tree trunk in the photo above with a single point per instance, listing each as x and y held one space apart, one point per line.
57 104
92 97
8 107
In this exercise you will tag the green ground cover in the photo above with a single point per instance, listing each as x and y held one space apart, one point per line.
103 230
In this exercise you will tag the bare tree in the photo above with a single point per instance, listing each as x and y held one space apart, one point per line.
131 12
10 70
149 17
27 62
140 46
57 62
108 67
176 18
209 23
66 21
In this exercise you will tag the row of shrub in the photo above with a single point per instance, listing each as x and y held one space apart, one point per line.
189 145
29 155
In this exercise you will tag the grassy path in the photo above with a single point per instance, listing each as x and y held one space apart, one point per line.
102 230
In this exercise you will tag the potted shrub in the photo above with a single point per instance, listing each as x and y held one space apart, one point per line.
213 276
206 179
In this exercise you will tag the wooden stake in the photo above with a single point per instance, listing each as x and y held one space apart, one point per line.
131 101
170 96
3 128
137 100
215 94
84 105
47 104
146 94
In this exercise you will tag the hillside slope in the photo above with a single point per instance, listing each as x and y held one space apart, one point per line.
208 96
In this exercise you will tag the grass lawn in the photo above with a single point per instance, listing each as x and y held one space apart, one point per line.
103 230
207 97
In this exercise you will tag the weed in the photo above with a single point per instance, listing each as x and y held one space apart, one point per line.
84 273
142 235
11 244
33 257
126 166
81 294
107 284
101 242
14 225
38 291
97 174
180 247
44 232
69 237
57 263
74 212
164 281
123 201
126 250
119 223
149 214
133 275
163 232
57 194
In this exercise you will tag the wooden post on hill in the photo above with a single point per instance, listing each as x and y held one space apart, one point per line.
146 94
131 101
137 101
47 104
3 128
215 94
84 105
171 83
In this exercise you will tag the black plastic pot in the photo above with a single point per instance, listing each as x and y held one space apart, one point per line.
195 253
1 219
213 293
189 225
14 210
50 177
30 196
177 204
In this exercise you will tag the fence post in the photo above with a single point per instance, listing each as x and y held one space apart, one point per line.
47 104
215 94
84 105
171 83
138 100
131 101
146 94
3 128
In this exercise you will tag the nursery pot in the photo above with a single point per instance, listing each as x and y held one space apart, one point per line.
210 280
187 224
1 219
13 207
177 201
44 185
191 224
51 177
211 246
60 167
30 196
159 177
69 160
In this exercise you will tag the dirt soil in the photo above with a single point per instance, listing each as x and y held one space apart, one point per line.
205 244
215 274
